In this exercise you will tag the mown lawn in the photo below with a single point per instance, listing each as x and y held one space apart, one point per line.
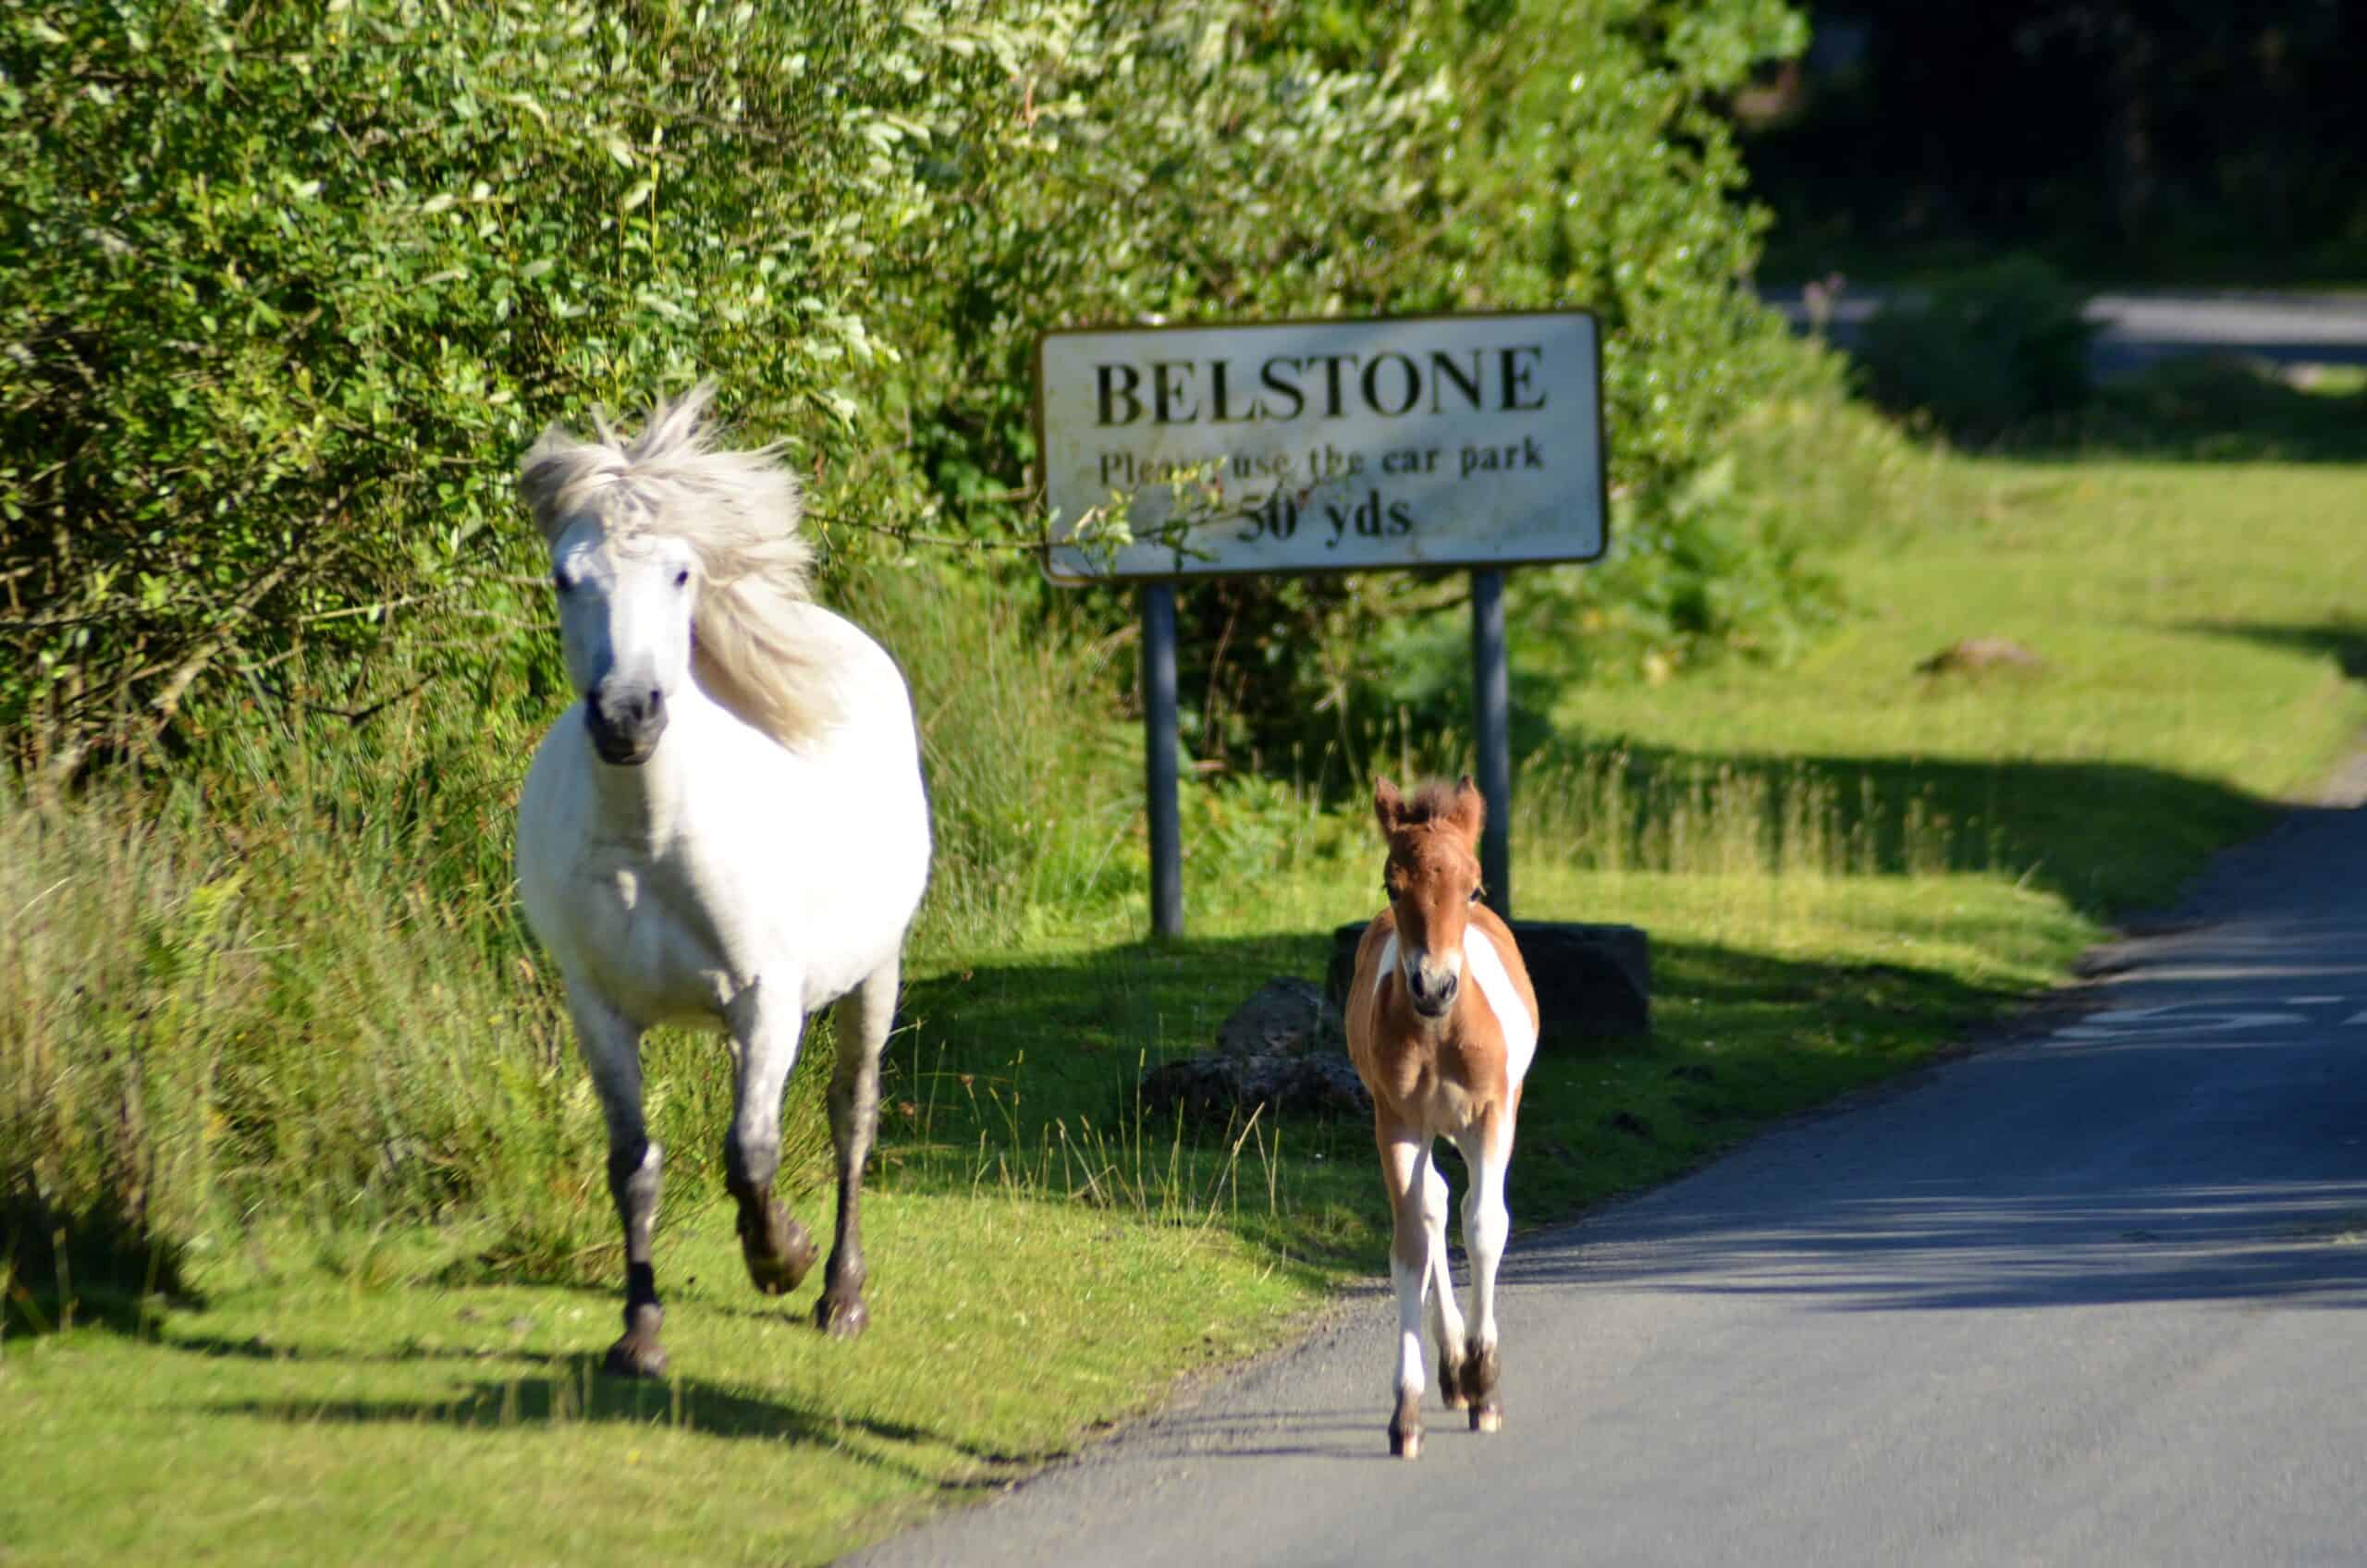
1843 865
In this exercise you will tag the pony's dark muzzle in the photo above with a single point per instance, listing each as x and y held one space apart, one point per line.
1431 991
625 725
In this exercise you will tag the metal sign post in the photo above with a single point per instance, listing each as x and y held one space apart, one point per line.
1159 760
1491 736
1411 442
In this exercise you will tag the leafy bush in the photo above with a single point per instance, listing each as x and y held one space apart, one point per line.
283 288
1985 352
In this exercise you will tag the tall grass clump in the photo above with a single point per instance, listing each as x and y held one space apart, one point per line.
300 996
1744 823
1027 753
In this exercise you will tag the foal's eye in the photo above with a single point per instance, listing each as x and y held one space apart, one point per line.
1475 893
682 577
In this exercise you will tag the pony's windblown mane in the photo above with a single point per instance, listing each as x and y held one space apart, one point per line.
738 511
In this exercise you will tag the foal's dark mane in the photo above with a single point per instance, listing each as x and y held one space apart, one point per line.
1434 801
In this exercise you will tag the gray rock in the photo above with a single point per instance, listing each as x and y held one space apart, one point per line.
1285 1048
1286 1017
1593 982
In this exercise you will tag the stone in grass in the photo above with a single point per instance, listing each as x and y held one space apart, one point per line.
1593 982
1977 654
1284 1048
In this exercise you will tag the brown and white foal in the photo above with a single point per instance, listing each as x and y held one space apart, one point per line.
1441 1025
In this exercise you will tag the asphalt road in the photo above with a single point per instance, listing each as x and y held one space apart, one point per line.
2133 330
2087 1294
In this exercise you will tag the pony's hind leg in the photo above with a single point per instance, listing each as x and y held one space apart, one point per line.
610 1046
863 1018
776 1247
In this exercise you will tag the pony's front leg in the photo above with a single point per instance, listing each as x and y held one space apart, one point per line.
1488 1152
863 1018
610 1046
777 1250
1446 1323
1403 1154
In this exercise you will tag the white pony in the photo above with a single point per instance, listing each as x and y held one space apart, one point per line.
730 827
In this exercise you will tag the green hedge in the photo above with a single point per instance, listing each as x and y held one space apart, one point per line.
283 287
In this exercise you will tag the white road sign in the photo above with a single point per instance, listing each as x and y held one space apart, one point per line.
1465 440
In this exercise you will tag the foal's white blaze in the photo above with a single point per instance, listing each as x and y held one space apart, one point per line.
1504 999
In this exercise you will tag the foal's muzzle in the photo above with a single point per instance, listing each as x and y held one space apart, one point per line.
1431 988
625 725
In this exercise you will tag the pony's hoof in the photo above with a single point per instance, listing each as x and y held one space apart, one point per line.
1405 1427
841 1318
779 1254
1487 1418
635 1356
1481 1371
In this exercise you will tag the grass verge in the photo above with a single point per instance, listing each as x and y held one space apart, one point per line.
1842 863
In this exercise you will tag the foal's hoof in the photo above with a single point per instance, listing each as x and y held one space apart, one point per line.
778 1251
1480 1373
1451 1380
1405 1427
841 1318
635 1356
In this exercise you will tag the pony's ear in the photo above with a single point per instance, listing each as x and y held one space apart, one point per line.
1470 808
1388 806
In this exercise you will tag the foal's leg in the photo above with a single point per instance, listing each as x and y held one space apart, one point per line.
1487 1151
864 1016
777 1248
1446 1322
610 1046
1403 1154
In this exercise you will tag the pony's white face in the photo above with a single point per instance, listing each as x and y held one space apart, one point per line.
624 617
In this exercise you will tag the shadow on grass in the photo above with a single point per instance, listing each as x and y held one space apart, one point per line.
2343 642
557 1391
90 1267
2213 408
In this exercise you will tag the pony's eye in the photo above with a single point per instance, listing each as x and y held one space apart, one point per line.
682 577
1476 892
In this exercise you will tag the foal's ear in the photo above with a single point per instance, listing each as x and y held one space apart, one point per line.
1470 807
1388 806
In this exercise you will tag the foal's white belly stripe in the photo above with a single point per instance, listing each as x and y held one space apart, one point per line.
1513 1016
